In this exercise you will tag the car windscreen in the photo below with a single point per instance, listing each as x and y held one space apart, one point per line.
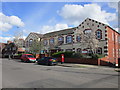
30 56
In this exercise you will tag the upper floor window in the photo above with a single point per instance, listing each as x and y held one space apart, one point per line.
86 31
78 38
45 42
119 39
30 42
60 40
69 39
99 34
51 40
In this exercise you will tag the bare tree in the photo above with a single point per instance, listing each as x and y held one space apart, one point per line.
88 40
36 46
17 36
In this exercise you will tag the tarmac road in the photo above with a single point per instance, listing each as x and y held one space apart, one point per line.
16 74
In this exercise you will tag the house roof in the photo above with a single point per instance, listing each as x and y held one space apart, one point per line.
36 34
60 32
39 35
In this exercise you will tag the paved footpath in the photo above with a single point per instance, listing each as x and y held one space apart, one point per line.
87 66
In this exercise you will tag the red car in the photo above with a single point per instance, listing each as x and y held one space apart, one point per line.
28 58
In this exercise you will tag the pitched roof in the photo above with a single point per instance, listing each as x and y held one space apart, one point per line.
60 32
39 35
36 34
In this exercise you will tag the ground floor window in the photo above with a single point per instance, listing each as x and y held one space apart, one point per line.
99 50
84 51
79 50
69 50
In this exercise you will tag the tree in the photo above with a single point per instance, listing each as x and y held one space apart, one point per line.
88 39
36 46
17 36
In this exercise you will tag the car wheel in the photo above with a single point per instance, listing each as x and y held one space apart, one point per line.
21 60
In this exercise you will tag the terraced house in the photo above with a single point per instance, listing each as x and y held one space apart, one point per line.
68 40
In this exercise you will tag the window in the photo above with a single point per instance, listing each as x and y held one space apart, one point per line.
60 40
69 39
99 50
99 34
87 31
78 38
84 51
45 42
51 40
79 50
69 50
116 38
119 39
30 42
112 36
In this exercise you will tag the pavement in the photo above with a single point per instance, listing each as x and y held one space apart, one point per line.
88 66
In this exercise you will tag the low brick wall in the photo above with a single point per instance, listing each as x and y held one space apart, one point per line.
80 60
87 61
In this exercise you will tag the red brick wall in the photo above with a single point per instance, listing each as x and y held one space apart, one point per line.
112 45
81 61
103 62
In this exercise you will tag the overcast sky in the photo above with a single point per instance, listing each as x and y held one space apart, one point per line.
43 17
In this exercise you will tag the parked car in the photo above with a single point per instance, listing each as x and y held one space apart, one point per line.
28 58
47 61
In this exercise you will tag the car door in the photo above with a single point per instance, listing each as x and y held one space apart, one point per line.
41 61
45 60
26 58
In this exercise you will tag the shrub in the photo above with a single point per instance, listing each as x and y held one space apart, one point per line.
96 56
66 54
58 54
77 55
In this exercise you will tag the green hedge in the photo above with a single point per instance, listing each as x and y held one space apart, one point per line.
76 55
66 54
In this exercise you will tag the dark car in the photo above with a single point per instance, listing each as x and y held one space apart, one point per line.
47 61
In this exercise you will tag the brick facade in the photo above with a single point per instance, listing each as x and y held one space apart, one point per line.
108 45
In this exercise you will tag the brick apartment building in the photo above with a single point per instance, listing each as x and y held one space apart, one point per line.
67 40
